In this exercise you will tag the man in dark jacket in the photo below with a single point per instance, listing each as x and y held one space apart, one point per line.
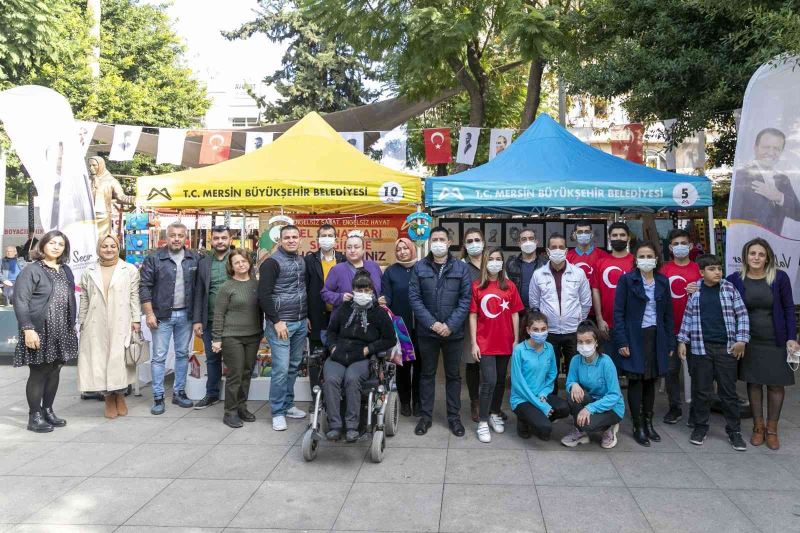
440 292
212 272
166 290
520 267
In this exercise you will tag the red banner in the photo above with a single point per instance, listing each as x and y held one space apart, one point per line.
216 147
437 145
627 142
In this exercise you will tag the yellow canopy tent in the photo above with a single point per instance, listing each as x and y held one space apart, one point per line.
309 169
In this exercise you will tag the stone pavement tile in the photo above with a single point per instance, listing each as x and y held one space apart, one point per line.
125 429
769 510
512 509
14 454
14 428
716 439
74 459
6 527
218 410
488 467
391 507
100 501
625 442
691 510
62 528
507 440
183 503
249 530
237 462
790 442
610 510
789 462
156 461
161 529
13 405
261 432
568 468
406 465
438 436
746 471
660 470
339 464
23 496
293 504
140 407
193 431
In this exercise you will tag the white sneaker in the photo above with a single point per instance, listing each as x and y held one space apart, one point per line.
574 438
610 437
279 423
496 423
294 412
484 435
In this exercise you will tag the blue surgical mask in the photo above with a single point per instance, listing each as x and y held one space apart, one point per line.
539 336
680 250
583 238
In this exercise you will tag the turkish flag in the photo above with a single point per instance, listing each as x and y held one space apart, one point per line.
437 145
216 147
627 142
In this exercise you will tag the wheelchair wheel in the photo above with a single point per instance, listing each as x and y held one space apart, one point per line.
377 447
392 415
310 445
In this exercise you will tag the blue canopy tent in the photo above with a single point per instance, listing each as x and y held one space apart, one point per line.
547 170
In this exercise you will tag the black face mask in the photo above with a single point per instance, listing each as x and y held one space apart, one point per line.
618 244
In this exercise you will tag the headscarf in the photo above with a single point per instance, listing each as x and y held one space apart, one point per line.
101 165
107 262
411 247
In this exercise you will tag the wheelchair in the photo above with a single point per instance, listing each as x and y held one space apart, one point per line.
380 406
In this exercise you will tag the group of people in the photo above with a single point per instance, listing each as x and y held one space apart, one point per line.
591 314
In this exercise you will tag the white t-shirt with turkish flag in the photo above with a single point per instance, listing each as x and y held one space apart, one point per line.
495 308
679 277
607 272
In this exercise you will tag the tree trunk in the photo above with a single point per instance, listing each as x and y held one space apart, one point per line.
477 105
534 94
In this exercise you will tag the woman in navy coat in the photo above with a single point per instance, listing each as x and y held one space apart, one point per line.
643 336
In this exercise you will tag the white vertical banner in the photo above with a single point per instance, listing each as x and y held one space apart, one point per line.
256 140
85 133
766 169
690 154
499 139
2 196
123 146
55 162
170 146
356 138
467 145
392 145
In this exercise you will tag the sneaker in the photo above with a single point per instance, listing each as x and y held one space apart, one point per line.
207 401
351 435
294 412
232 420
503 415
574 438
279 423
496 423
158 406
698 437
737 442
610 437
673 416
333 434
181 400
484 435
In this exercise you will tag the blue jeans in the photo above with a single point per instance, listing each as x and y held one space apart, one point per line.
286 358
213 364
177 327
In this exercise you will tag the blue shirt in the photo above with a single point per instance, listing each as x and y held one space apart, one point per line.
532 375
649 318
599 380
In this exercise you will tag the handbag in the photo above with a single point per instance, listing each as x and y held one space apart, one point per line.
793 360
138 351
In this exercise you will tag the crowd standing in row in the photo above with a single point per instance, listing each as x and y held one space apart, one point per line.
534 314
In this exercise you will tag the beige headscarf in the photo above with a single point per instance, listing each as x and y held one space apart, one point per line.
107 262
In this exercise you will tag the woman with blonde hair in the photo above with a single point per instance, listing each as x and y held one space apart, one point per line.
109 313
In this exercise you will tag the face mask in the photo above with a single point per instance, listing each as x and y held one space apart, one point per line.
646 265
538 336
680 250
528 247
583 238
587 350
362 298
558 256
474 248
618 244
326 244
494 266
439 249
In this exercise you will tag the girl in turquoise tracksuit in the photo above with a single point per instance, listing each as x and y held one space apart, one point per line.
593 392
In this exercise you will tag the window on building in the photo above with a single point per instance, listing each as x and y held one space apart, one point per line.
241 122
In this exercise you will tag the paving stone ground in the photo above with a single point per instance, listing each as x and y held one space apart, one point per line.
185 471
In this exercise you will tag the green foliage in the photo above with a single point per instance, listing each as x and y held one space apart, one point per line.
28 36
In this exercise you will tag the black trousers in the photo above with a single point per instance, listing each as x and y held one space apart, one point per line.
673 380
720 366
493 384
597 421
239 354
451 351
42 385
409 376
565 345
472 374
531 417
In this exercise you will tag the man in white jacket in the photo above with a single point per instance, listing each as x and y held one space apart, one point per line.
561 292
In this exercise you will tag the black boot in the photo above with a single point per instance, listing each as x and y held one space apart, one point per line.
37 423
638 431
52 419
649 430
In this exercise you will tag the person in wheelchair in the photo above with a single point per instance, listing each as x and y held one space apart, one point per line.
359 329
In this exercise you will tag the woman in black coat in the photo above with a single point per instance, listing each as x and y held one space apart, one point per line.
45 308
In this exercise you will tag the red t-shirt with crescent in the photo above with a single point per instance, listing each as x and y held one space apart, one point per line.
607 272
586 262
495 308
679 277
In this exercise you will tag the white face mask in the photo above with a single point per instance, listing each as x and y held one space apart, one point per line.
474 248
362 298
558 256
646 265
680 250
583 238
587 350
326 244
494 266
528 247
439 248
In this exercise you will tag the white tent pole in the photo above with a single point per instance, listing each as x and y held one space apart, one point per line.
712 244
